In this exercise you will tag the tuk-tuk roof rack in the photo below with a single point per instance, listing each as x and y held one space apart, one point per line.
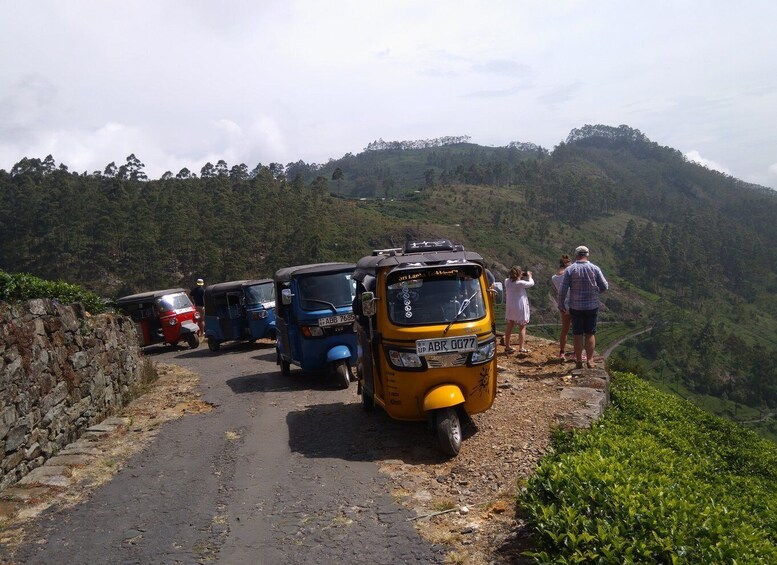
424 246
146 296
285 274
390 252
430 245
221 288
416 254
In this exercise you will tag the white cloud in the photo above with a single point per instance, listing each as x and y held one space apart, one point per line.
696 157
283 80
773 170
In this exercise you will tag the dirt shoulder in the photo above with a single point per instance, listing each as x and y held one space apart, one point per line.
468 502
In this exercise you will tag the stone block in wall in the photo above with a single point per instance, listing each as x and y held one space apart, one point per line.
79 360
53 325
15 437
34 451
52 419
14 367
57 395
7 420
68 318
33 418
37 369
38 306
98 383
13 460
39 327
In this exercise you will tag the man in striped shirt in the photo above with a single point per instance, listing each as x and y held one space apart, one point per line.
584 281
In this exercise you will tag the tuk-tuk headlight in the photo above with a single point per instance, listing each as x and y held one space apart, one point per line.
259 314
312 331
402 359
484 353
173 321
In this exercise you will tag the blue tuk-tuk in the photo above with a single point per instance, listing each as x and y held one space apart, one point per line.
315 319
239 311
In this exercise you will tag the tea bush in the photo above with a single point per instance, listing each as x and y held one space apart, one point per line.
657 480
21 286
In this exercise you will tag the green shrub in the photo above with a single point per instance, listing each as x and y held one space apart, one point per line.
21 286
656 481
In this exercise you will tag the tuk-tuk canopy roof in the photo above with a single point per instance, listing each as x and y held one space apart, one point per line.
287 273
382 258
147 296
223 288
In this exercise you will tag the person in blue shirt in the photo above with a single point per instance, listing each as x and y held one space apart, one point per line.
583 281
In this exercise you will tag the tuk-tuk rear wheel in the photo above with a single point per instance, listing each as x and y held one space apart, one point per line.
344 373
448 429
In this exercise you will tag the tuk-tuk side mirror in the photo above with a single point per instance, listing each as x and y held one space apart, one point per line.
286 296
368 304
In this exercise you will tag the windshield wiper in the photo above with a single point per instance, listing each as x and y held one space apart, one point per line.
463 307
332 306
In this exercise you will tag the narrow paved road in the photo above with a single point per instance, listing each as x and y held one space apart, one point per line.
274 474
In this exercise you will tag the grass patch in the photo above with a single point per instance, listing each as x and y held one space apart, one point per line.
443 504
658 480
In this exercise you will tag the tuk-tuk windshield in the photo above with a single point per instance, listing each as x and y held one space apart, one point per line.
259 294
435 295
319 292
174 302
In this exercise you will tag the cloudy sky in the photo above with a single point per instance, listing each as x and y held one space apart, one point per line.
181 83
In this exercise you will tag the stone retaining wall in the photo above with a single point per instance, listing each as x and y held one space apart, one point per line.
61 371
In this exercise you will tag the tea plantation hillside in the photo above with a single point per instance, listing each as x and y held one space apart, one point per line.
657 481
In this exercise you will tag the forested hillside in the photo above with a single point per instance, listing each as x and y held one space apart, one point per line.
688 251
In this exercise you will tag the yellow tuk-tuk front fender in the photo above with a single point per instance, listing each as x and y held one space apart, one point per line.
443 396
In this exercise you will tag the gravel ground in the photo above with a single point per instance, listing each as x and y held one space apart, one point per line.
468 503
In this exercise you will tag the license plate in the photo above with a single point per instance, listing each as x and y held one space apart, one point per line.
446 345
336 320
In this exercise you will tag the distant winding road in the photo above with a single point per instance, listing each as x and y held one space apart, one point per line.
610 348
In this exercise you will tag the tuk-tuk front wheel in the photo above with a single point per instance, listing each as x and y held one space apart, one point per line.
192 340
344 373
285 365
447 426
213 344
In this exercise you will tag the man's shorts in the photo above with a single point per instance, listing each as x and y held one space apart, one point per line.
584 321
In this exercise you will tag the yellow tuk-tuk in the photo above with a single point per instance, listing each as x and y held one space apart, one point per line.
427 336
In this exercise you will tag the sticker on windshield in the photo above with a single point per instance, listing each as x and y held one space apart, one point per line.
407 301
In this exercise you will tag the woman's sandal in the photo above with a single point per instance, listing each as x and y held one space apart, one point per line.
509 350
